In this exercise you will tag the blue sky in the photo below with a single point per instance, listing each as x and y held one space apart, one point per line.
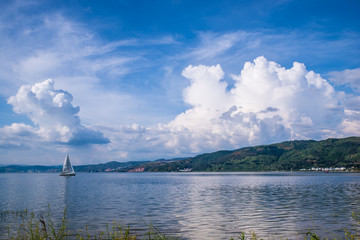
141 80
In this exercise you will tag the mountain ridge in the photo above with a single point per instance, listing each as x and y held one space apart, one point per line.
284 156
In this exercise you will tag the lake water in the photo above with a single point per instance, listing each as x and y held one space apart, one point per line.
192 205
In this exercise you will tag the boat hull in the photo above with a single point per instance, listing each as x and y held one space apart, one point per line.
67 174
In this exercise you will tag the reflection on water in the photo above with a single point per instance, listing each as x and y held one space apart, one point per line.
194 205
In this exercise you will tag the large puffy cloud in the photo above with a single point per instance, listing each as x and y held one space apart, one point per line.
54 116
303 98
268 103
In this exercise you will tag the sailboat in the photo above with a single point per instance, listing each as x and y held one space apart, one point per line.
67 170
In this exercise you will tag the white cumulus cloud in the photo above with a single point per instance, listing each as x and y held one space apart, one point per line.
268 103
54 116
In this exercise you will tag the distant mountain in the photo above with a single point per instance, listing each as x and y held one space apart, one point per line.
109 166
25 168
290 155
102 167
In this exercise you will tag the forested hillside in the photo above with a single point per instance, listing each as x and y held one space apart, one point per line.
290 155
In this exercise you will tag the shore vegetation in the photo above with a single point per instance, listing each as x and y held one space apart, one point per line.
30 226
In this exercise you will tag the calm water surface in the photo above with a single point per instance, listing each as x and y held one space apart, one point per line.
192 205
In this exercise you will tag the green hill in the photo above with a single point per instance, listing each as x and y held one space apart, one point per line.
285 156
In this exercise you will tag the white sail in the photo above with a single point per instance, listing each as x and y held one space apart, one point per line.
67 170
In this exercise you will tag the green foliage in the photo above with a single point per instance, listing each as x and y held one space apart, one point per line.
312 236
34 227
37 227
